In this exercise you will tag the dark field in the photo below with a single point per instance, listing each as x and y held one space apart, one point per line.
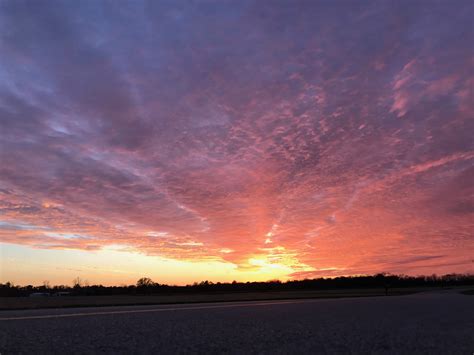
439 322
116 300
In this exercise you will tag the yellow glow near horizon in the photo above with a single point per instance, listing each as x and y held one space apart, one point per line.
115 266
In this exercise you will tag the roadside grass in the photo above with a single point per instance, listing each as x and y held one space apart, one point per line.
12 303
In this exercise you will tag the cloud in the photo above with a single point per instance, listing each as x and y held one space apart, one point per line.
342 134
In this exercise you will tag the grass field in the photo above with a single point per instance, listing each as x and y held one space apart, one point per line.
7 303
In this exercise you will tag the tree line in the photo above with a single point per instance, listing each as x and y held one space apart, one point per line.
146 285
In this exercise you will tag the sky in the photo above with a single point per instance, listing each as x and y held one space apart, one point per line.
235 140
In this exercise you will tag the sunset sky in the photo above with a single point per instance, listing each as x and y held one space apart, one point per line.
235 140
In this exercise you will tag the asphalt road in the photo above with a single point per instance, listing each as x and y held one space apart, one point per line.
430 323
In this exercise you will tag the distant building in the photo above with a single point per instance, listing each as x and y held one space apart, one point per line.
62 294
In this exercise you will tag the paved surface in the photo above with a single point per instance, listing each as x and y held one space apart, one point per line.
430 323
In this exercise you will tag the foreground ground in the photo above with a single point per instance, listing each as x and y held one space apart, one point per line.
439 322
7 303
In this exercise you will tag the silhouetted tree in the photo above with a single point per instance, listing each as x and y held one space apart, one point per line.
146 286
145 282
77 283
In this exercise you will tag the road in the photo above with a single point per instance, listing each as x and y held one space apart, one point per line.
431 323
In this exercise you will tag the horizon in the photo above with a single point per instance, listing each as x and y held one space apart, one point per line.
239 140
84 283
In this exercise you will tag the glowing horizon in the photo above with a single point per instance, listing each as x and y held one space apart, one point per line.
235 140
